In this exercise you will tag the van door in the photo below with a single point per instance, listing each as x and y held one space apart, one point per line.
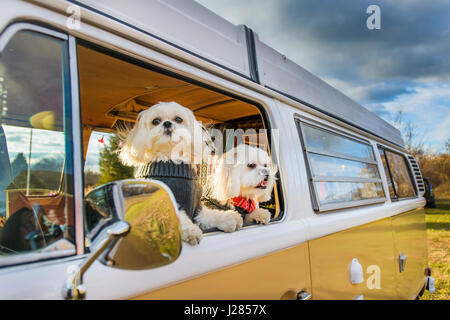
410 252
37 216
409 227
346 189
365 252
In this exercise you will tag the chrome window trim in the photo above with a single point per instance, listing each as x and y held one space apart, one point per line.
12 29
350 204
36 256
77 149
317 207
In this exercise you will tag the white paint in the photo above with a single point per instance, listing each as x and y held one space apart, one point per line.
44 280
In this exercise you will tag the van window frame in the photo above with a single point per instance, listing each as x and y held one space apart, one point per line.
69 123
322 208
408 169
118 54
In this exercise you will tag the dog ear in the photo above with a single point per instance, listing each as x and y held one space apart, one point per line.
225 182
136 145
200 143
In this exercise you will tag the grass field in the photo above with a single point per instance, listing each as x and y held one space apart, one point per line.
438 233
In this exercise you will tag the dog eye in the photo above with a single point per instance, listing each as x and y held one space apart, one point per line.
178 120
156 121
251 165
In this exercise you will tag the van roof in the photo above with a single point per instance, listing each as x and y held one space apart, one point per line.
191 27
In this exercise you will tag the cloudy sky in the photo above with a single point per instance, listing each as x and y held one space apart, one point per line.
404 66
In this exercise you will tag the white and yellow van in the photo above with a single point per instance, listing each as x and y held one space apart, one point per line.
347 211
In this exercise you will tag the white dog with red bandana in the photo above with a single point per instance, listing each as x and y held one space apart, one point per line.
242 179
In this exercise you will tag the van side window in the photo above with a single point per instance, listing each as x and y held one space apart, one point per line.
36 192
397 175
343 170
114 89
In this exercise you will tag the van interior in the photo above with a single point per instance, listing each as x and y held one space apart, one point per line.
113 91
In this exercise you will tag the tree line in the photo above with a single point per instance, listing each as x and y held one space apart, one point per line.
434 165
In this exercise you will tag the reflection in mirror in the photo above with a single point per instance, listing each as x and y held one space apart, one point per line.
155 236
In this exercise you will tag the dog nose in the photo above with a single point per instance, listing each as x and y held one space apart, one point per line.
167 124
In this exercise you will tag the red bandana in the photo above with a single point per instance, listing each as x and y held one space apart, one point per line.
244 203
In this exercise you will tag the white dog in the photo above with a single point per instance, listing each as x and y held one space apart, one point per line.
166 143
244 176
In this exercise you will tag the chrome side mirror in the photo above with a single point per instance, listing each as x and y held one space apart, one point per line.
130 224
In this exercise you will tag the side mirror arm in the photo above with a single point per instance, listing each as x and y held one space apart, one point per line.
74 288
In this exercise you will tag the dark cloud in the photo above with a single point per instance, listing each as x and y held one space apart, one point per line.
330 38
387 92
412 44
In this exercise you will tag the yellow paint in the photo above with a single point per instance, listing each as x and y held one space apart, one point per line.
281 275
275 276
372 245
409 231
377 246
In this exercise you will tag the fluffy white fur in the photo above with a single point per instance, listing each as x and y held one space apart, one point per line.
148 142
184 142
245 171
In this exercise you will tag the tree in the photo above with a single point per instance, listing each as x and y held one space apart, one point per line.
19 164
435 166
91 178
414 141
49 164
111 168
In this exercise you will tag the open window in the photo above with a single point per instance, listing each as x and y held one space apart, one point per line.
115 88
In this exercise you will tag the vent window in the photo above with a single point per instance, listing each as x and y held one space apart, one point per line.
417 175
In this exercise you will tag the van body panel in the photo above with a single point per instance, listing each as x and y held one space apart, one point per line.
410 239
331 256
184 24
280 275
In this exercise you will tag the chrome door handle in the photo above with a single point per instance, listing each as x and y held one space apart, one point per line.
402 262
303 295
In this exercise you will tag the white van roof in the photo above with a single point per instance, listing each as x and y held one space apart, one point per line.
191 27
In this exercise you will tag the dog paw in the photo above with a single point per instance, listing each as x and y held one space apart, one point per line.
259 216
232 222
192 234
